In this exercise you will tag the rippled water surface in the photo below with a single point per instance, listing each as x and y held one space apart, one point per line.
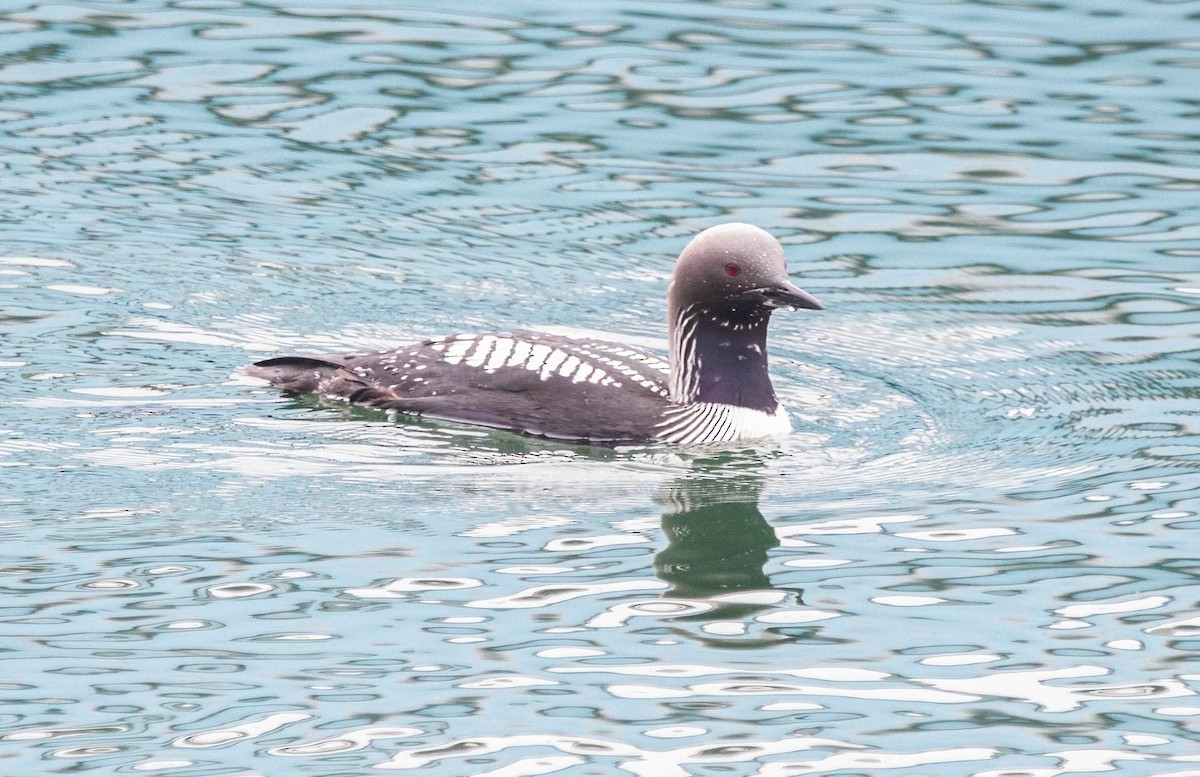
975 556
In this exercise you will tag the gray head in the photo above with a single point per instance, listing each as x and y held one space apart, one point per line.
727 282
738 267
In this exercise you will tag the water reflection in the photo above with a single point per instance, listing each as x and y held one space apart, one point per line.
717 538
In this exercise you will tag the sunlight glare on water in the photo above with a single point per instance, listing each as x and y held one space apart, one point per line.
971 558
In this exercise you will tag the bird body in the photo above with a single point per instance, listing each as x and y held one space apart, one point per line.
712 387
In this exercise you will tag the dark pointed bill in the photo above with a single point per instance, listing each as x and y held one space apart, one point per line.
786 295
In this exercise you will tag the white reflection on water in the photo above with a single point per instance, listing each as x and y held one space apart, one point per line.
542 596
645 763
1033 687
346 741
248 729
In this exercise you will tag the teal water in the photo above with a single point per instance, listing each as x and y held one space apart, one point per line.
975 556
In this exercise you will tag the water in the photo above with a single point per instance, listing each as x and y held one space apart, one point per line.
974 556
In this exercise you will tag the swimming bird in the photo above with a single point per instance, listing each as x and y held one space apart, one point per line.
713 386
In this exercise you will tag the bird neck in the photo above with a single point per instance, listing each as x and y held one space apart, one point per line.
719 354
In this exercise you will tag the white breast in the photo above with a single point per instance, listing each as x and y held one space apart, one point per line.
704 422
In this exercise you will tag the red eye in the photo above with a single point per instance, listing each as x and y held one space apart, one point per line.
732 270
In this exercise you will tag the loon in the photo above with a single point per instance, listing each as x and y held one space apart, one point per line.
713 387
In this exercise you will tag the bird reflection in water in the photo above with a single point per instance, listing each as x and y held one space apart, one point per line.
717 538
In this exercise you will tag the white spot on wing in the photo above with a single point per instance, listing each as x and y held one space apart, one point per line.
583 361
556 358
480 354
537 356
520 353
582 373
458 350
569 366
504 346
